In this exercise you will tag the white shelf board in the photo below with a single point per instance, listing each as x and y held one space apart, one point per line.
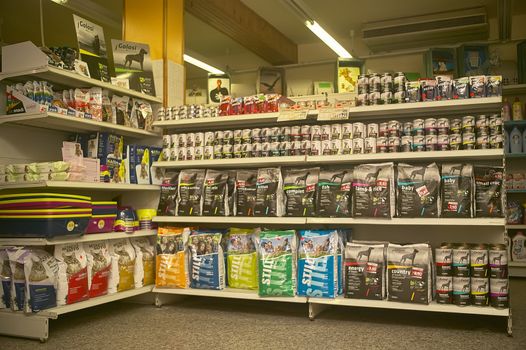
71 79
482 154
234 163
230 293
90 237
408 221
244 120
516 227
515 89
432 307
517 264
56 121
257 220
421 109
92 186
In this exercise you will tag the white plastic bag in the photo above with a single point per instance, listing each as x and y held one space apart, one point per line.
72 273
122 266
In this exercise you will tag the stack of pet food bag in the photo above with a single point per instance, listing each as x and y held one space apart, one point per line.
37 278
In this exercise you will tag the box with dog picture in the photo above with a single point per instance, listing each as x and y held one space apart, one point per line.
132 61
92 48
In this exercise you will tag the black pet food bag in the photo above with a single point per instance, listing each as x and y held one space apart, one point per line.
372 192
215 200
168 199
488 191
457 190
268 192
333 195
245 198
300 191
190 192
417 190
364 271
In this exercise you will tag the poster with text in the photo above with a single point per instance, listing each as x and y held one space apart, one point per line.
132 61
347 72
92 48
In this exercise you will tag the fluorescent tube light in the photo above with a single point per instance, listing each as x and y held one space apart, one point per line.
202 65
327 39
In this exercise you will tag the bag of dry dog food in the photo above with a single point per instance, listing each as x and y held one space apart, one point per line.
300 191
41 272
17 256
99 265
457 190
373 194
269 193
171 261
5 279
334 193
122 266
190 192
488 191
365 271
168 199
231 191
215 193
72 273
207 263
242 260
418 191
145 261
245 192
409 274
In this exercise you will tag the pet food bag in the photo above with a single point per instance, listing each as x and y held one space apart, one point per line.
269 193
418 191
365 271
231 191
334 193
99 266
457 190
277 263
409 273
207 263
122 266
317 263
168 199
343 236
171 262
72 273
41 272
144 262
372 193
5 279
190 196
488 191
242 260
17 256
300 191
245 192
215 193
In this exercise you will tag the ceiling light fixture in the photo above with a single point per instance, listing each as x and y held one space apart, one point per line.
327 39
202 65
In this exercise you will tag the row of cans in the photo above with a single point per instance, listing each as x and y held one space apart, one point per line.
381 83
477 291
186 112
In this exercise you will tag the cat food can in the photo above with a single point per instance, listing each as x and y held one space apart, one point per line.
325 132
336 147
315 132
386 82
237 150
468 124
181 153
406 143
369 145
305 147
284 133
246 150
386 97
375 84
228 151
443 142
199 139
208 152
358 146
218 151
419 143
336 132
431 142
468 141
358 130
199 153
394 127
482 141
443 126
265 149
182 140
383 129
418 127
407 129
399 81
274 149
381 144
479 261
498 261
256 135
461 291
274 134
479 291
305 132
265 134
372 130
315 148
430 126
393 144
346 131
218 137
444 289
326 147
256 149
363 84
190 139
499 293
455 142
443 260
373 98
190 153
461 260
209 138
455 126
347 146
496 141
362 99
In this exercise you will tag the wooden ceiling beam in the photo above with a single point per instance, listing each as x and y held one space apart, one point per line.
239 22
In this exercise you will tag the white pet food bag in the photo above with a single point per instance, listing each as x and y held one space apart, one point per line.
5 280
17 256
99 265
122 267
41 272
144 273
72 273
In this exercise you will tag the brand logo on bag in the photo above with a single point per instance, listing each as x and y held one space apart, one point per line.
86 26
126 46
70 226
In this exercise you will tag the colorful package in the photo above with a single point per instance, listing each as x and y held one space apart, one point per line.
215 193
365 271
17 256
144 262
269 193
317 266
41 272
242 260
122 266
171 264
99 265
190 192
206 260
5 279
72 273
344 235
277 263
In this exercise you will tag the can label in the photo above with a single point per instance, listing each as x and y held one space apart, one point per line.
315 133
199 139
496 141
315 148
246 150
218 151
325 132
499 292
167 141
346 131
482 141
326 147
160 113
285 148
237 150
182 140
399 97
383 129
468 122
357 146
336 147
256 149
336 131
498 263
190 140
363 84
419 143
265 135
461 262
305 147
443 142
468 140
442 123
358 130
209 138
393 144
228 151
444 289
407 129
372 130
370 145
305 132
274 134
386 82
218 137
479 263
431 142
482 122
406 143
181 153
461 291
284 133
265 149
169 153
363 99
256 135
238 137
418 127
208 152
347 146
381 145
373 98
479 291
386 97
190 153
399 81
274 149
199 153
443 257
455 141
374 83
394 128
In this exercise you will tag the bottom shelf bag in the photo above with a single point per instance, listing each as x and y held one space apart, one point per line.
171 260
242 260
122 266
207 263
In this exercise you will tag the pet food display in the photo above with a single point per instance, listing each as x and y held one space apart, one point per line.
99 265
373 194
300 189
215 193
245 192
72 273
207 266
365 271
171 262
122 266
333 198
343 236
317 265
488 191
5 280
41 271
144 272
409 273
168 199
277 263
242 260
269 193
457 190
17 256
190 192
418 191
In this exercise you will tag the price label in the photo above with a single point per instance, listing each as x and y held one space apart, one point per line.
292 114
333 113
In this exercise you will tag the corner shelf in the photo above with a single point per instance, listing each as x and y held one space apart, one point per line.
92 186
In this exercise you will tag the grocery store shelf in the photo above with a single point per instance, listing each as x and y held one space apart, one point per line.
230 293
483 154
517 269
91 237
234 162
515 89
92 186
432 307
57 121
408 221
517 264
69 79
244 120
449 107
237 220
516 191
516 227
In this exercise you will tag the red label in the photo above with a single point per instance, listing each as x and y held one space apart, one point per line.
371 267
78 286
381 183
99 283
452 206
345 187
417 272
240 184
310 188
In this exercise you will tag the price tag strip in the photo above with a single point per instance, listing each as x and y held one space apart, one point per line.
333 113
290 114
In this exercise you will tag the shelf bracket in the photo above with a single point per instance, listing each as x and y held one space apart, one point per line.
316 309
18 324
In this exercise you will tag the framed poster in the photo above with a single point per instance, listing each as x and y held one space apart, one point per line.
441 61
347 72
473 60
218 86
271 81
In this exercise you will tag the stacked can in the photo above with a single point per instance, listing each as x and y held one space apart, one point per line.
444 273
186 112
461 274
498 283
479 271
374 89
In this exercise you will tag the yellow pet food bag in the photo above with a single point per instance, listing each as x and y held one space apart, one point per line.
171 261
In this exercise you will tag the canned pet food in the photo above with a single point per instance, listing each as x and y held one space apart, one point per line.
190 153
381 144
468 140
362 99
209 138
481 122
336 131
256 135
265 149
372 130
358 146
166 154
495 124
181 153
393 144
468 124
218 137
406 143
419 143
444 289
479 261
430 126
274 134
346 131
495 141
418 127
209 152
160 113
305 147
168 113
256 149
167 141
499 292
386 82
182 140
455 126
305 132
399 97
386 97
346 146
315 148
199 153
383 130
325 132
284 133
394 128
370 145
246 135
246 150
238 137
315 133
455 142
336 147
190 140
482 141
461 291
479 291
358 130
431 142
375 84
461 261
443 258
199 139
407 129
373 98
443 126
285 148
237 150
228 151
498 261
399 81
443 142
274 149
363 84
218 151
228 137
326 147
265 134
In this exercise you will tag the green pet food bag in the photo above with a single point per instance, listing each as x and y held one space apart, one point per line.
242 259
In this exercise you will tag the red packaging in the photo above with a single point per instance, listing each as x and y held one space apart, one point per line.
225 106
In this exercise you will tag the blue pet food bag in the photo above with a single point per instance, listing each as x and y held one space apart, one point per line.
207 264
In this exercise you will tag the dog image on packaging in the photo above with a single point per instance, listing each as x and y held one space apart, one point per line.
365 271
145 261
300 191
269 193
5 279
245 192
41 271
242 261
207 263
122 266
190 192
373 194
99 265
334 193
72 273
488 191
457 190
171 260
418 191
215 193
